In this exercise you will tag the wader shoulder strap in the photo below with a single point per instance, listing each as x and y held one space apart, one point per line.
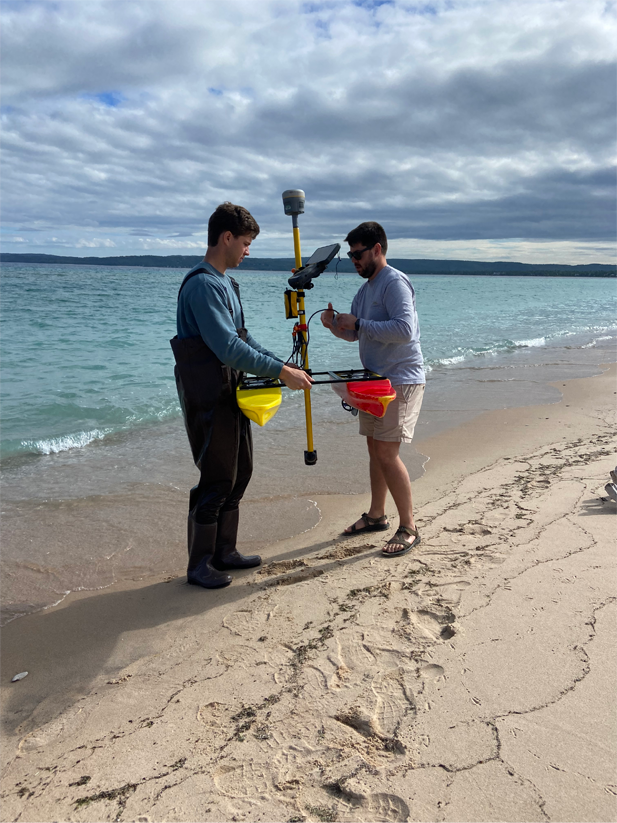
236 288
204 270
191 274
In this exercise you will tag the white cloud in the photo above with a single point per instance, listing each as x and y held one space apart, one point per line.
170 244
463 121
95 243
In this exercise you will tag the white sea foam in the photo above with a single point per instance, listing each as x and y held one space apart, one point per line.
534 342
448 361
597 340
62 444
457 358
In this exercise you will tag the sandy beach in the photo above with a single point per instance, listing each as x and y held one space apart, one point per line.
473 680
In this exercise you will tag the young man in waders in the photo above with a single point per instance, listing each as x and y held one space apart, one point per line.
212 350
383 319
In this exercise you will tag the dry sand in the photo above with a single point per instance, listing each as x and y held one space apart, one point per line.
473 680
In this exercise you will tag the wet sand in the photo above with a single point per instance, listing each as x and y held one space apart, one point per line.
471 680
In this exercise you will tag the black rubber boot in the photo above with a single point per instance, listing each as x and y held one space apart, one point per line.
226 556
202 542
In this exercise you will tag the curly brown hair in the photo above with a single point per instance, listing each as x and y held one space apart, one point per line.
236 219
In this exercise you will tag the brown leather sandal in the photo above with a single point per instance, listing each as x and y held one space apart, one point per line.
371 524
401 539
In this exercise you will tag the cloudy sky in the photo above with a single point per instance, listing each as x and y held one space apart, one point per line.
473 129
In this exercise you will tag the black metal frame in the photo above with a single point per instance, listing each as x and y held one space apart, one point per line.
335 375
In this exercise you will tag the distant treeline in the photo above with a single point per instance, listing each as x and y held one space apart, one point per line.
180 261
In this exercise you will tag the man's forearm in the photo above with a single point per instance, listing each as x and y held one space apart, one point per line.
242 357
396 330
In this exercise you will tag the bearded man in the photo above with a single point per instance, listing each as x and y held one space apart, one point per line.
383 319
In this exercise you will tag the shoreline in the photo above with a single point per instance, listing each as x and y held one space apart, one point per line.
285 264
105 666
52 506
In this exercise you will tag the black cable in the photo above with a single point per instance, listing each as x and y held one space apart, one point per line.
297 343
308 330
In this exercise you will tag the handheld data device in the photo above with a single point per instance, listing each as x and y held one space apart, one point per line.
315 265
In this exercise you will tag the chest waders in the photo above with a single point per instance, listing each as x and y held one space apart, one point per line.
222 447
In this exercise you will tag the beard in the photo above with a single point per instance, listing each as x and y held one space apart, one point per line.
368 270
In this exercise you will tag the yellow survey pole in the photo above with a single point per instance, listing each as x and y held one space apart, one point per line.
297 252
293 200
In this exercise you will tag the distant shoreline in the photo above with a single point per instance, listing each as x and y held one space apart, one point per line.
409 266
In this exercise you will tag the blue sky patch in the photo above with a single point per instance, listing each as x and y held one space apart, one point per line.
372 4
112 99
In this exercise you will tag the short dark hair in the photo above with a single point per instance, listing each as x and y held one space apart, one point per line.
368 234
236 219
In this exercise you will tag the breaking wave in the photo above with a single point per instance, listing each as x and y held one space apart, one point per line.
496 348
55 445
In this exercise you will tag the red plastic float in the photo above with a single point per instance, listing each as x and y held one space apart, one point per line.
372 396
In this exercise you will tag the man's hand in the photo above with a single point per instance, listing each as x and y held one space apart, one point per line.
327 316
295 378
346 321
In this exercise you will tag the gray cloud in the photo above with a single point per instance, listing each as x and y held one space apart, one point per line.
466 120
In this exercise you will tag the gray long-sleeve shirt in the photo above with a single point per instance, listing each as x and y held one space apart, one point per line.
389 332
203 310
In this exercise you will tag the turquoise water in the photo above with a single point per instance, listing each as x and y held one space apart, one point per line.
86 352
96 464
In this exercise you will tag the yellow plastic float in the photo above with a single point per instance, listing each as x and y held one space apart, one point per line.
259 405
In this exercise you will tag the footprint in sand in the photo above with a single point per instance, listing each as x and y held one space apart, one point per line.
281 567
297 577
388 807
243 780
383 807
340 552
63 726
215 716
351 659
436 626
354 653
340 668
316 680
394 702
453 591
245 622
431 671
237 656
290 758
476 528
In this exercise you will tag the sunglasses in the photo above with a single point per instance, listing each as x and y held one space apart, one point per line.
356 255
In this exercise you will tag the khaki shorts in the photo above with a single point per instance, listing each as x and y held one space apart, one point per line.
400 419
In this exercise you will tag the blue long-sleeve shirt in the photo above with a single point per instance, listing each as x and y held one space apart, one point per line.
203 310
389 331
